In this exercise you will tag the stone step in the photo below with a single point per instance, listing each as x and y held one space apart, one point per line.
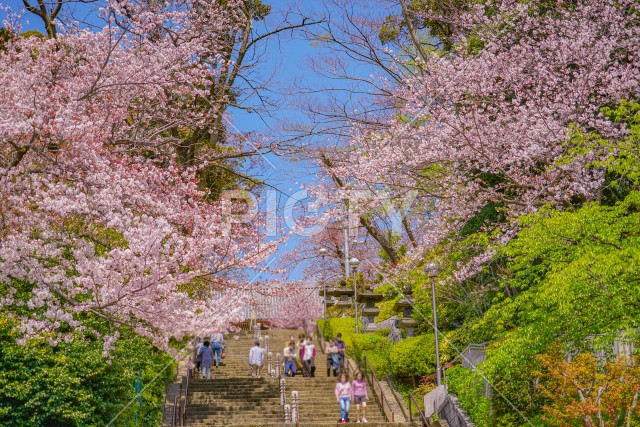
226 421
233 398
303 423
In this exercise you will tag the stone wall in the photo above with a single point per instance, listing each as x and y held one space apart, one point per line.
447 407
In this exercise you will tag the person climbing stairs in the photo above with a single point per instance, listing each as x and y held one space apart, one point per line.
233 398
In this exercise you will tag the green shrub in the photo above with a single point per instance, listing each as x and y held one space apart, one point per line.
469 387
375 346
386 309
413 356
72 384
344 325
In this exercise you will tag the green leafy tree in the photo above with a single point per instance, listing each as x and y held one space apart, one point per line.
73 384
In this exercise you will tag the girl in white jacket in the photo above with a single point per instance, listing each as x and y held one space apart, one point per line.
343 394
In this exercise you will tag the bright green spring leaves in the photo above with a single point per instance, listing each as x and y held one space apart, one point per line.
75 385
576 276
588 266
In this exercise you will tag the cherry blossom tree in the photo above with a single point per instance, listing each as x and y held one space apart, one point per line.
490 120
298 307
97 216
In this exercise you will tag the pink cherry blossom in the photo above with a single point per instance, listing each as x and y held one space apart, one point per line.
96 215
506 112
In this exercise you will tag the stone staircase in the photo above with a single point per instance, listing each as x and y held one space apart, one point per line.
233 398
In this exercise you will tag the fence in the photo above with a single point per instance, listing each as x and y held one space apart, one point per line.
388 413
473 355
451 411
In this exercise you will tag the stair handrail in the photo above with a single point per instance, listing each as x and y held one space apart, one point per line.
283 392
174 417
373 381
186 397
283 400
190 373
396 394
425 421
287 414
320 338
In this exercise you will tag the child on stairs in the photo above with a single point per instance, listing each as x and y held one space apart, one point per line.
343 394
359 394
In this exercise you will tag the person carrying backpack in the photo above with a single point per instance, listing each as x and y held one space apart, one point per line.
333 360
217 345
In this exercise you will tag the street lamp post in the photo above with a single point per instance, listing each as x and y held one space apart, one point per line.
346 220
432 270
323 253
354 263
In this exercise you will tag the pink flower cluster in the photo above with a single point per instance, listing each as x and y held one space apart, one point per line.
504 113
96 216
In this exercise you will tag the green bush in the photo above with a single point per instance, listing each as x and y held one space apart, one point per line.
72 384
413 356
469 387
344 325
375 346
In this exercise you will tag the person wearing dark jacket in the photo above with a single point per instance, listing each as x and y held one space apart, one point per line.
342 348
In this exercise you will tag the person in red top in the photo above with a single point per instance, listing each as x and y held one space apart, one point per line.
359 396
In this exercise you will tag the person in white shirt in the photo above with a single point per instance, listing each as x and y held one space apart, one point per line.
256 359
308 356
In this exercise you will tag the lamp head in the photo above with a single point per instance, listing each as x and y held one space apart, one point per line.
432 269
322 251
354 262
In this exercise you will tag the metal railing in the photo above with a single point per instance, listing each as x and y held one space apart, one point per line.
186 396
295 408
320 338
396 395
370 375
423 419
179 414
176 411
